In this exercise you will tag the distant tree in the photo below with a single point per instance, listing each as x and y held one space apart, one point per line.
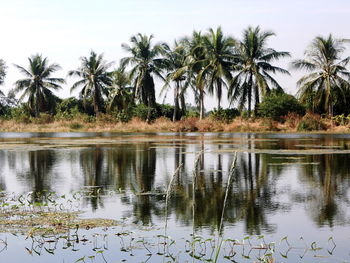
146 61
253 79
120 95
2 73
328 80
38 84
94 79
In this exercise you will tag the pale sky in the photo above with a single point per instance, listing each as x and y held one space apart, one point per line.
64 30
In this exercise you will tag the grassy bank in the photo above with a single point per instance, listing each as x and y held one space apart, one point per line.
291 124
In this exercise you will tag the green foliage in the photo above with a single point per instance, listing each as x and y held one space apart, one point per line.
224 115
123 116
20 114
165 110
277 105
141 111
72 108
311 122
148 113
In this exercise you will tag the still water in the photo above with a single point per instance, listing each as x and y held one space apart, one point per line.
291 190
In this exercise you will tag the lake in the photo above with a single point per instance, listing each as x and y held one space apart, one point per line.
289 197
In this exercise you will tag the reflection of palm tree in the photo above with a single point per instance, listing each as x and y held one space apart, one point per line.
91 162
329 184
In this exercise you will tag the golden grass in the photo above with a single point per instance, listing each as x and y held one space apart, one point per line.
165 125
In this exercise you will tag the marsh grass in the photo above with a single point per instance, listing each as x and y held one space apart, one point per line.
190 124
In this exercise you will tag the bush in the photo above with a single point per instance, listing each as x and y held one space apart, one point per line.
141 111
72 108
224 115
19 114
75 126
165 110
311 122
277 105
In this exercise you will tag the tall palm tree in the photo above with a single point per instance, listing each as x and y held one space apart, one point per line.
94 79
253 79
120 94
38 82
146 61
219 59
176 59
328 76
195 65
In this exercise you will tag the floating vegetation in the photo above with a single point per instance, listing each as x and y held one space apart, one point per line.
35 214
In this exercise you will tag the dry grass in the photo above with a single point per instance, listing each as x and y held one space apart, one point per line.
289 124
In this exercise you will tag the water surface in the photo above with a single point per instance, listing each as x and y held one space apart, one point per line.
293 185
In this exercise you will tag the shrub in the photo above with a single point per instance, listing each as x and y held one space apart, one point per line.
72 108
311 122
224 115
277 105
165 110
75 126
19 114
122 116
141 111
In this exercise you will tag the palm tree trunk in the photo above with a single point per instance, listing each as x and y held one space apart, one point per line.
257 99
201 104
183 103
250 96
96 107
219 92
176 102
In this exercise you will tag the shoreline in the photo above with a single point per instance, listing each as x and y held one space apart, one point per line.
163 125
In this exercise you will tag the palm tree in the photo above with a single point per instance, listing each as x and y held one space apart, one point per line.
146 61
176 59
94 79
219 59
38 82
253 79
328 78
120 94
195 66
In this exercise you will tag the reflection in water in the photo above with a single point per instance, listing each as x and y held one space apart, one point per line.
265 184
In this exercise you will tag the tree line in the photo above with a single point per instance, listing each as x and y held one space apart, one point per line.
204 63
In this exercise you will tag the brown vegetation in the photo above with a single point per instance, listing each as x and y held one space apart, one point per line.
290 123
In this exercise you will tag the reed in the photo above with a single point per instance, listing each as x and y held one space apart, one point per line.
194 176
228 186
167 198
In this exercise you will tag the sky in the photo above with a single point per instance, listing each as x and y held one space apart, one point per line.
65 30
